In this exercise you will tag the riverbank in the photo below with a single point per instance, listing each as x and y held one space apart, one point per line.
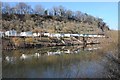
111 49
77 63
10 43
67 61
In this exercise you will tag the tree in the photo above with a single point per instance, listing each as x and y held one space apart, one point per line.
100 21
62 11
39 10
69 14
23 8
0 10
13 10
46 12
6 8
79 16
90 19
51 12
56 11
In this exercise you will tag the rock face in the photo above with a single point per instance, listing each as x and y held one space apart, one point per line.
52 24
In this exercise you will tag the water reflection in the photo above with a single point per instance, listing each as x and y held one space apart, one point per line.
37 53
53 62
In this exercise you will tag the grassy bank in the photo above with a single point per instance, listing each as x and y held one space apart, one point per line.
110 47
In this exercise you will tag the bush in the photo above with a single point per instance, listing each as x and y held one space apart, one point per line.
29 40
18 41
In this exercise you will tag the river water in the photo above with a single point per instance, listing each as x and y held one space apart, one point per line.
54 62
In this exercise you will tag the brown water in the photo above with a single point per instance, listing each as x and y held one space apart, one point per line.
54 62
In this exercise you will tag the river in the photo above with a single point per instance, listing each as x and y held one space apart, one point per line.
55 62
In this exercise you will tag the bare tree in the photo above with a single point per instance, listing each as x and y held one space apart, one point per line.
23 8
39 10
56 11
90 19
62 10
79 16
5 8
29 9
69 14
0 10
50 12
0 6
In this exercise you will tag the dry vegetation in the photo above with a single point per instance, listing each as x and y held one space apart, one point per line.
22 17
111 52
110 43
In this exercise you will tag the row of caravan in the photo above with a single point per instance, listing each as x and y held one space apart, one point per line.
31 34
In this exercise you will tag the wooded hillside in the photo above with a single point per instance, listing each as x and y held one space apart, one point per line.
22 17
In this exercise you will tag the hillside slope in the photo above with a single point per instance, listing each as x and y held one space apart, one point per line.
22 17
